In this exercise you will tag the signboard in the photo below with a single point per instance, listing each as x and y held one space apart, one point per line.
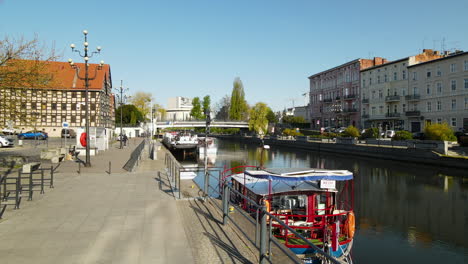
65 125
327 184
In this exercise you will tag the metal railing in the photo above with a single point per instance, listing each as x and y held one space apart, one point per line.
135 157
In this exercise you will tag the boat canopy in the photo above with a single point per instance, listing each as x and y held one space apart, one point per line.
305 174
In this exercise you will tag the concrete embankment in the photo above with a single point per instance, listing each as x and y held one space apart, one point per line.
412 155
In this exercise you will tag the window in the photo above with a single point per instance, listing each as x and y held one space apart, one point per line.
404 108
454 104
453 84
64 94
428 74
93 107
403 91
74 94
73 106
83 94
385 78
466 103
73 119
373 110
54 106
64 107
466 65
415 90
439 106
395 77
403 75
429 106
428 89
415 76
381 109
44 106
33 106
378 79
453 67
363 83
466 83
454 121
373 94
54 119
439 72
380 94
439 120
439 88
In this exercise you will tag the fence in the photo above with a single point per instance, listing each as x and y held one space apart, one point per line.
135 157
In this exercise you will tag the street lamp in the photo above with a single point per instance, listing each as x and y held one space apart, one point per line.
86 78
121 90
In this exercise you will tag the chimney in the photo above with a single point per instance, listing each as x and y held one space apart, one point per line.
428 51
379 61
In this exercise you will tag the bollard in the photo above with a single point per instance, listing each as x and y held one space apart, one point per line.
263 236
42 181
30 185
79 167
226 196
110 165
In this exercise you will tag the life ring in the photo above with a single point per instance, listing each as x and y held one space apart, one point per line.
267 205
83 139
351 225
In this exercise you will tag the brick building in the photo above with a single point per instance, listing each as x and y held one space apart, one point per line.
46 106
335 94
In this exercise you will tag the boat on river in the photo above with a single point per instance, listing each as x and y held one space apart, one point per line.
176 140
316 203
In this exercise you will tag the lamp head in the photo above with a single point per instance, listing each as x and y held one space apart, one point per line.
85 32
98 48
86 59
72 46
101 63
85 44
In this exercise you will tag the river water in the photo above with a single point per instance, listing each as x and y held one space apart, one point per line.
405 213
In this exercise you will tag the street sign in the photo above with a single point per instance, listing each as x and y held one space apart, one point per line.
65 125
327 184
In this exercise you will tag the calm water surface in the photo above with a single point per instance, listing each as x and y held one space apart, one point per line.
405 213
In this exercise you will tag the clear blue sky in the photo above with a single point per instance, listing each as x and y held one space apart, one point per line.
196 48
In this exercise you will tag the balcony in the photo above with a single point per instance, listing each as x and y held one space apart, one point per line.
350 97
365 116
365 101
327 100
413 97
392 115
350 110
392 98
338 98
413 113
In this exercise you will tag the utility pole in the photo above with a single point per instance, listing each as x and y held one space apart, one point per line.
121 90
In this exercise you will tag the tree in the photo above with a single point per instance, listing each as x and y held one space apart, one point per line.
238 107
293 119
271 116
159 112
130 115
140 100
24 64
222 108
351 131
440 132
258 121
206 105
196 109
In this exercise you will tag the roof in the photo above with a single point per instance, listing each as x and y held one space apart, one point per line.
384 64
62 76
334 68
440 59
300 174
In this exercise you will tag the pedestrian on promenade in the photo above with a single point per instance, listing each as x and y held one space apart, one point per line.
125 138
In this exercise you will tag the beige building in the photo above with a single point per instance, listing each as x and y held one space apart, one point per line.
385 96
45 108
439 92
178 109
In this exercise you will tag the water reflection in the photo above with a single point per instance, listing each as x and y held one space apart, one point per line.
398 205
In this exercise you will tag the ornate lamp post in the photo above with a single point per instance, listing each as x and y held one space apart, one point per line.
86 78
121 90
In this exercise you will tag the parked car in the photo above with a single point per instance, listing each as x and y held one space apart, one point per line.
10 131
6 142
389 133
419 135
33 134
68 132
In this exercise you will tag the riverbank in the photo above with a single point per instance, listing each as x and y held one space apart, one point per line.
395 153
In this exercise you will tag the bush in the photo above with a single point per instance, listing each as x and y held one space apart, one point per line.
402 135
372 132
439 132
351 131
291 132
330 135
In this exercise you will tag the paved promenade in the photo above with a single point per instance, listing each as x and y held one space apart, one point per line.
97 217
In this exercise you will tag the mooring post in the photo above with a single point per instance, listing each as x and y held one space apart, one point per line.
263 235
110 166
226 195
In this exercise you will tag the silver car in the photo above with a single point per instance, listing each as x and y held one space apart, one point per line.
6 142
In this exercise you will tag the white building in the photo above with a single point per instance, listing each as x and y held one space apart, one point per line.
439 93
178 109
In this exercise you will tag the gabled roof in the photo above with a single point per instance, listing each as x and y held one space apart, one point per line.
62 76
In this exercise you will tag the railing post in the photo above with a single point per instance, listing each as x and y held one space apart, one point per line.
51 176
42 181
263 236
17 197
226 196
30 185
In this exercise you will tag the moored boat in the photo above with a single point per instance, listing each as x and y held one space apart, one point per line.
316 203
180 141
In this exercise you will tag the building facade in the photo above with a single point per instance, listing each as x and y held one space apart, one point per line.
335 94
439 89
386 99
45 108
178 109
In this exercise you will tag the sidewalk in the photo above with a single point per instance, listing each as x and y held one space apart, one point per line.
96 217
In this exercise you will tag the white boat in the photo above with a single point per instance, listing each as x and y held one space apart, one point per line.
180 141
212 147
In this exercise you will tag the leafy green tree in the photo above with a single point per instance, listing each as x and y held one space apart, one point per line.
440 132
271 116
141 100
372 132
258 121
402 135
293 119
196 112
222 108
351 131
206 105
130 115
238 108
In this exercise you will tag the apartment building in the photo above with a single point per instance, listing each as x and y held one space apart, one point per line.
438 90
385 94
46 107
335 94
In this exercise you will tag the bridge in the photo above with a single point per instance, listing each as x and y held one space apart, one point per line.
223 124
